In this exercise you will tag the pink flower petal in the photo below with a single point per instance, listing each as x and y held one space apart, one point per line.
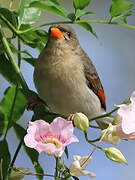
64 130
59 125
42 128
30 141
127 112
122 135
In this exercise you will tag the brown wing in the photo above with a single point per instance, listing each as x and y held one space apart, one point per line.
93 80
95 85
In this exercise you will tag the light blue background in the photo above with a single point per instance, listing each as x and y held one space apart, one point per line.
113 54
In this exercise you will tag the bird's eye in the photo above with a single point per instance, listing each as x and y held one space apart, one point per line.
68 33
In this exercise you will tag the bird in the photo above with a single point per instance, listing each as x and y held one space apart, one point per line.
66 78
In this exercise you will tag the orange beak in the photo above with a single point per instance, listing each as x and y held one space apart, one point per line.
56 33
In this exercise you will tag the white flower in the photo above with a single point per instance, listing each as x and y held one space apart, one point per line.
111 137
77 168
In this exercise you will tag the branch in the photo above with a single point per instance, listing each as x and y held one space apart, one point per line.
76 22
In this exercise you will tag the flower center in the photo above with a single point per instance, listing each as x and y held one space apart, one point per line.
52 140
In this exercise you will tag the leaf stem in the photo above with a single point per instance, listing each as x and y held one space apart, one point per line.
19 52
12 59
16 153
17 32
76 22
8 24
105 22
21 142
42 25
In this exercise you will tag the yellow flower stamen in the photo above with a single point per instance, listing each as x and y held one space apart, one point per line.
52 140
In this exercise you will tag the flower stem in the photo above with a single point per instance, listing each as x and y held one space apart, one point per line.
109 114
91 141
56 171
68 176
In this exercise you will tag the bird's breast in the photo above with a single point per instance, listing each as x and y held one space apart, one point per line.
63 87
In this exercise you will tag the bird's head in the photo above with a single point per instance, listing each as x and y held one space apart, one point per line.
62 36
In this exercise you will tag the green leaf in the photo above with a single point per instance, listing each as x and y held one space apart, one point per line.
124 17
4 159
81 4
12 96
79 13
33 154
9 15
71 16
7 70
25 56
52 6
28 15
31 61
120 8
35 39
42 112
88 27
17 174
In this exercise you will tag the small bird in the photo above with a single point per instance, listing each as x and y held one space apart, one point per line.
66 78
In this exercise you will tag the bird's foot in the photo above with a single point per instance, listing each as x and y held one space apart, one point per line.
34 101
71 117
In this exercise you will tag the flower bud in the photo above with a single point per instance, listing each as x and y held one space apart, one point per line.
114 155
16 174
81 121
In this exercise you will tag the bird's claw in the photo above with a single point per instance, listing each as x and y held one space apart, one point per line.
34 101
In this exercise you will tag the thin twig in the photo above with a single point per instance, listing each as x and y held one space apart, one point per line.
30 173
96 146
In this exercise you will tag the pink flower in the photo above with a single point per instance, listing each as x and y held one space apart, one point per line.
126 129
50 138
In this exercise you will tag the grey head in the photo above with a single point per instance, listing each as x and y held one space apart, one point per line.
69 39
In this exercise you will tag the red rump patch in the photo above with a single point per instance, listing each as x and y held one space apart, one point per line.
101 95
